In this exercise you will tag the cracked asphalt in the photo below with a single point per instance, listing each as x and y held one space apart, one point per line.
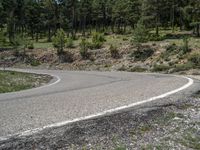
78 94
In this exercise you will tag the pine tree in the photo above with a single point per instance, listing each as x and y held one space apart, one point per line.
152 13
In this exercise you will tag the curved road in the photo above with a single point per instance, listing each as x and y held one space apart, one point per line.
81 95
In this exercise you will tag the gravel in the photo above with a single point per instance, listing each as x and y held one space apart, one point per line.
172 126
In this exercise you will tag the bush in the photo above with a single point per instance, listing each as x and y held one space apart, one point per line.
3 40
20 41
66 57
183 67
34 63
16 52
30 45
125 39
114 52
195 59
154 37
84 49
141 54
159 68
59 41
140 33
97 40
185 48
172 48
138 69
69 43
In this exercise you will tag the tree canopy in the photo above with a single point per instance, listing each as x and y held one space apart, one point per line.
39 18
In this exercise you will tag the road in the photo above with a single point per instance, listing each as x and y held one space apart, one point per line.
76 95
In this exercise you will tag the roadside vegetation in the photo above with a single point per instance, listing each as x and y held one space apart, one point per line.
11 81
101 35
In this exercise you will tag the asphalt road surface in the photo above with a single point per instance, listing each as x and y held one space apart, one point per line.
73 95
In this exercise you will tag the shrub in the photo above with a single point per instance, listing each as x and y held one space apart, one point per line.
16 52
30 45
97 40
3 41
138 69
140 33
84 49
141 54
20 41
182 67
17 41
59 41
172 48
125 39
159 68
114 52
195 59
69 43
185 48
34 62
154 37
66 57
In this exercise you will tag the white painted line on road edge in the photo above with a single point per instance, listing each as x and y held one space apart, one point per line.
32 131
51 84
44 86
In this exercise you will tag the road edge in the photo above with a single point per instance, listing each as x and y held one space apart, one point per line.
63 123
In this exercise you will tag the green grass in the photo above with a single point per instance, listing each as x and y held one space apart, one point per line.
11 81
43 45
117 40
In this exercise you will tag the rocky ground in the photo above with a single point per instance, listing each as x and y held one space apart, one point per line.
172 126
131 58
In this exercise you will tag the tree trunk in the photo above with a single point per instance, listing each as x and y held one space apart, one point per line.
84 25
157 19
73 20
49 34
198 32
11 27
157 30
173 16
157 27
37 37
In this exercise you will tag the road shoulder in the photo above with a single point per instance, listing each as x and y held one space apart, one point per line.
171 122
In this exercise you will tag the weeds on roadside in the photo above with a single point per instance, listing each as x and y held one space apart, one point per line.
84 49
114 52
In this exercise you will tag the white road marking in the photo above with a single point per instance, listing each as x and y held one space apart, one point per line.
51 84
59 124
